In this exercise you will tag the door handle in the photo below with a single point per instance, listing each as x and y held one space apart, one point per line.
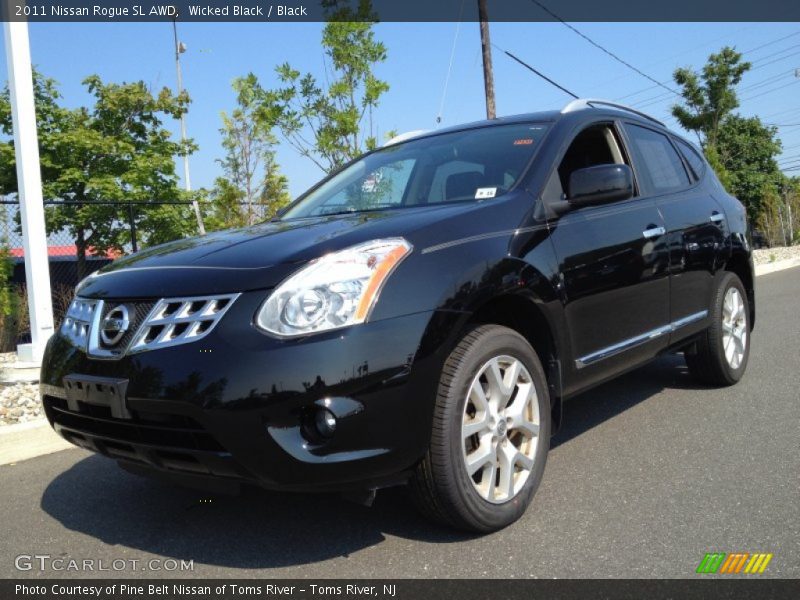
654 232
717 217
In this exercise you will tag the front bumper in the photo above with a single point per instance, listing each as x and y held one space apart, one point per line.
233 405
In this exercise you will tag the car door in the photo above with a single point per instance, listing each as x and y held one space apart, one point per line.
695 225
612 267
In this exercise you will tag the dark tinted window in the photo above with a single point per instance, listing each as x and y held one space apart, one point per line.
659 163
694 159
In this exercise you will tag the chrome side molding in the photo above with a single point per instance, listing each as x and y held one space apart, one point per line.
624 345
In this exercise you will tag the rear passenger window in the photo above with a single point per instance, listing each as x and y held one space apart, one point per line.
659 163
694 159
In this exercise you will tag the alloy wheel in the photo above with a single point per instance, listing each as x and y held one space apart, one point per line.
500 429
734 327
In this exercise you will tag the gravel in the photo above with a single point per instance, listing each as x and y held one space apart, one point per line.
19 402
769 255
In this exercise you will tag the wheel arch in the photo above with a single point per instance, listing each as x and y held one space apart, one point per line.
741 264
527 317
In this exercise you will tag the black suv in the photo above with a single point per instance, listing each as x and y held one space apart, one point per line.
417 317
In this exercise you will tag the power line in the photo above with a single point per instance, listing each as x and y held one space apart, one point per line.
782 112
766 81
771 90
781 51
654 100
669 58
770 43
647 89
530 68
600 47
775 60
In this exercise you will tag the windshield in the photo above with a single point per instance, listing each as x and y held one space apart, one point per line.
475 164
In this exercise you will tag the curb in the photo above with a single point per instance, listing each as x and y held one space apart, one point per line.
36 438
28 440
780 265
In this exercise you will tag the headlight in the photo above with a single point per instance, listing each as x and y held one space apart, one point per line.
334 291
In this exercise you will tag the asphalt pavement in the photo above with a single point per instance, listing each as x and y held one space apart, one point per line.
649 473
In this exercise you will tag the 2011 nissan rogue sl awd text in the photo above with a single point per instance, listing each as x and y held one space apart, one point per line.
417 317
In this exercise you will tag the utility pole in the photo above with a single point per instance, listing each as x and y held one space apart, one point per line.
486 50
180 48
787 202
29 186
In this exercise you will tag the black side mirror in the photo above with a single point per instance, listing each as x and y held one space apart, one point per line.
600 184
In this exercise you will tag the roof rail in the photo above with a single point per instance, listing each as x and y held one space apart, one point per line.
582 103
406 136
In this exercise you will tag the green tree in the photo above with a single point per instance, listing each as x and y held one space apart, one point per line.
709 96
331 123
275 192
117 150
249 163
51 119
747 151
224 209
780 216
742 151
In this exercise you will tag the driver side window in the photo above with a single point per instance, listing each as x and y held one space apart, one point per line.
595 145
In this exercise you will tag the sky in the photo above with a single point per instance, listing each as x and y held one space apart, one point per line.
416 69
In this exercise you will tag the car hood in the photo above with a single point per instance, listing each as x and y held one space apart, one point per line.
251 258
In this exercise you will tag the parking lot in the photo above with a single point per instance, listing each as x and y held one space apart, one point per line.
649 473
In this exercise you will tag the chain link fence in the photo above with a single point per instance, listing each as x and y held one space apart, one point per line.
129 226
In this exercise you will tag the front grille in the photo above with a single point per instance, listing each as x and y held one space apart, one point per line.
128 326
138 312
181 320
78 320
152 429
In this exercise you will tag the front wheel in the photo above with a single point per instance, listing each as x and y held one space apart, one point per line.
491 433
720 355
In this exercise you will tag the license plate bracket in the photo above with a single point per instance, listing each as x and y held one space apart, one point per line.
99 391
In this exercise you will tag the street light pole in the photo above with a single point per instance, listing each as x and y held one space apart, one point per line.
180 49
29 186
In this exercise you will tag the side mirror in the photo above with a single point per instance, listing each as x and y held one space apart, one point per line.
600 184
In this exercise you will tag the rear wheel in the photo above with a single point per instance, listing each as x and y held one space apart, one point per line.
720 355
491 433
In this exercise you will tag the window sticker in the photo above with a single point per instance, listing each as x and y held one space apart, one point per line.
523 142
481 193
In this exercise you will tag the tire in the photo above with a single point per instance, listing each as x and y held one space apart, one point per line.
711 360
441 486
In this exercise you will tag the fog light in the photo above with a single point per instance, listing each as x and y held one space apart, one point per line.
325 422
